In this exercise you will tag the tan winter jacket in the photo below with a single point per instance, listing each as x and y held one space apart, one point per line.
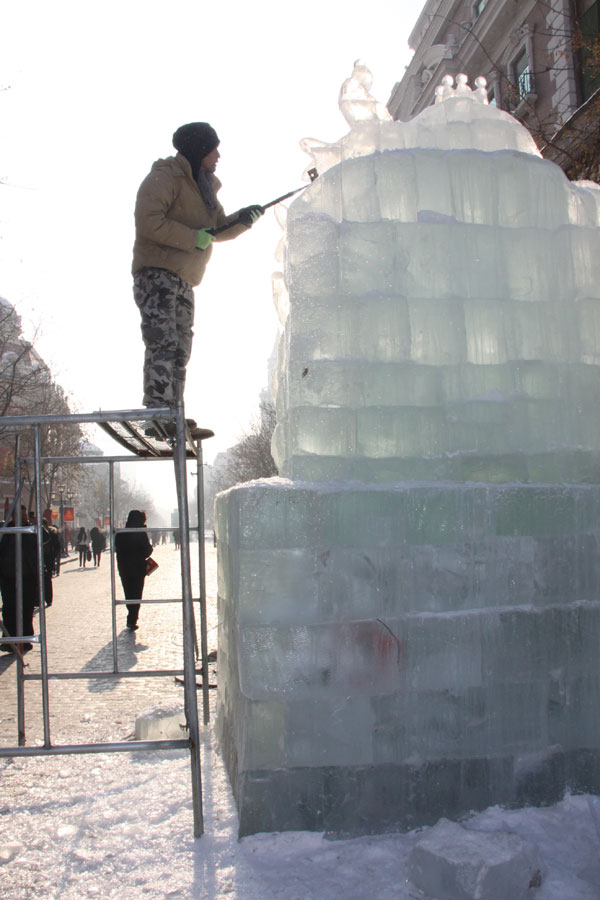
169 210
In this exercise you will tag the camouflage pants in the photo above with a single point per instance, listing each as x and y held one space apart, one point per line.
166 304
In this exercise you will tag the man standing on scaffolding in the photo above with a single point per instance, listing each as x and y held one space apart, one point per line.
175 209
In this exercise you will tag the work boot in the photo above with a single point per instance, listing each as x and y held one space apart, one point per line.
198 434
170 428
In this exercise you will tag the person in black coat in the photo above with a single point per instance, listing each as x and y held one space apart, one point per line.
98 544
51 550
82 546
29 580
132 552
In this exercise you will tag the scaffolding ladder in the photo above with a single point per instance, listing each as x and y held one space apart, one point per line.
169 438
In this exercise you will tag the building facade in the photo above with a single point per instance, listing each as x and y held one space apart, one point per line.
541 61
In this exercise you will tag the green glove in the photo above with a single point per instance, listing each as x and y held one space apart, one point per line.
204 239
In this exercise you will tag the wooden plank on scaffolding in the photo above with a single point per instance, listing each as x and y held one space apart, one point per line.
153 438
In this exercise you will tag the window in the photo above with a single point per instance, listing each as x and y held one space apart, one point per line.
523 75
588 55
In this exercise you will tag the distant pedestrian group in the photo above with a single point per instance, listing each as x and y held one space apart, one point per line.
132 555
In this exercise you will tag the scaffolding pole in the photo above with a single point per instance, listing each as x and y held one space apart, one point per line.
189 631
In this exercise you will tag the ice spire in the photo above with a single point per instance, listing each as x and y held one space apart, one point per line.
355 102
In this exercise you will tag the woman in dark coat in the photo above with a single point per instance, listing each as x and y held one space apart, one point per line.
132 552
82 546
98 544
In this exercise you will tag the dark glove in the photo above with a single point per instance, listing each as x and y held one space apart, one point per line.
250 214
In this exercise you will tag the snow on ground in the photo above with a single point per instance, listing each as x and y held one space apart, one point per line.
119 826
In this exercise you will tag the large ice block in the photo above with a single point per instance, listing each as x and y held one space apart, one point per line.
379 637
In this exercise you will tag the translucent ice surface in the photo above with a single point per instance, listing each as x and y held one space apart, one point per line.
449 252
356 102
459 122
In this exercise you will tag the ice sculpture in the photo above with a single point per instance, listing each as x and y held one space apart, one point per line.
410 614
446 304
356 103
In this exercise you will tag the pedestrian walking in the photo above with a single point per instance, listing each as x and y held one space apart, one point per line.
175 208
132 551
82 546
61 551
51 552
98 544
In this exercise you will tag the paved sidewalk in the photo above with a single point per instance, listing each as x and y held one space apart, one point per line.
79 633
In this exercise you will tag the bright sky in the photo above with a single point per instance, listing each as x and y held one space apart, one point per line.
90 95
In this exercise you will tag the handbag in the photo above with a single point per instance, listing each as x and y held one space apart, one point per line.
88 554
151 565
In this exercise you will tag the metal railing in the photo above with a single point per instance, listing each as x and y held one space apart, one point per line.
525 83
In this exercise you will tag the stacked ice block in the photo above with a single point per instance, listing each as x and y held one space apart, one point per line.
444 318
410 615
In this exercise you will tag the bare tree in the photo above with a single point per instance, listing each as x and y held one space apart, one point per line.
247 460
251 457
27 387
94 500
575 144
130 495
20 368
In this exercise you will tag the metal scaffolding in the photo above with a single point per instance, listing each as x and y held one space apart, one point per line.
183 445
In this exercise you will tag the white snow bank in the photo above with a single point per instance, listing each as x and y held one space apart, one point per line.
119 827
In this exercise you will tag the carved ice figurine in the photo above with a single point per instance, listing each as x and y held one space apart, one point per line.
355 102
361 110
447 87
446 90
462 86
480 93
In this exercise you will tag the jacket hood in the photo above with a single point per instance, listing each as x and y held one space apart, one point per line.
179 165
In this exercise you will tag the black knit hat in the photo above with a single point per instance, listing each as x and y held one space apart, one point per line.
194 141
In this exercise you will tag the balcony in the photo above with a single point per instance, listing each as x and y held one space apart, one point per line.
527 95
